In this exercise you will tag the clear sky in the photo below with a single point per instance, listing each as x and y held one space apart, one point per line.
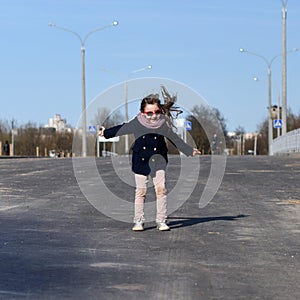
195 42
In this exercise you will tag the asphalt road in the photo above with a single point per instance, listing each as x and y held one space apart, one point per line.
244 244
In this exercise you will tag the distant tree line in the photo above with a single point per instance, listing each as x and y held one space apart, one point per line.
208 133
29 138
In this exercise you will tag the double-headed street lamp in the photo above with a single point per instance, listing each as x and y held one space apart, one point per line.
83 93
268 63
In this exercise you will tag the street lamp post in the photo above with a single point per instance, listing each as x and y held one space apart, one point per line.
83 92
268 63
284 85
12 138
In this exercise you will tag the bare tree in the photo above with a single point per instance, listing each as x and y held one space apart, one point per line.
105 118
208 128
4 130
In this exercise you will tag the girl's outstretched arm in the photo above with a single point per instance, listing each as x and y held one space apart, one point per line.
118 130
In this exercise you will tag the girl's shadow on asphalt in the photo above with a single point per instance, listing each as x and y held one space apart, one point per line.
187 221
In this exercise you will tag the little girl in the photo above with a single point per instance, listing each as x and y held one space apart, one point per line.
149 158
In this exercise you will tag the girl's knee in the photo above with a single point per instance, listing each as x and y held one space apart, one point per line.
160 190
140 192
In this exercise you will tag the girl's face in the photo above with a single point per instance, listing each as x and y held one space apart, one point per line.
152 112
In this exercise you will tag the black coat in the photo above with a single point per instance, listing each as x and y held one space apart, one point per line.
149 149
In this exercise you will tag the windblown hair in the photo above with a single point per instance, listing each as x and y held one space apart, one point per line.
167 108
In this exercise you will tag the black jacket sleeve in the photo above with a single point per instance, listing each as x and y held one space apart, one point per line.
125 128
112 132
179 143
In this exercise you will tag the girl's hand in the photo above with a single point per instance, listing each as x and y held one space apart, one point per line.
101 131
196 151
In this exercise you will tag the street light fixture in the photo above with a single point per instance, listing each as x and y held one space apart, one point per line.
83 95
268 63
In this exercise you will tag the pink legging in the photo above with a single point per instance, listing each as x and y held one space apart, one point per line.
140 195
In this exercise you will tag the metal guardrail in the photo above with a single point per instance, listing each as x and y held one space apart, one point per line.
288 143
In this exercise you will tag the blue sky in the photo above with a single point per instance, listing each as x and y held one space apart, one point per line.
193 42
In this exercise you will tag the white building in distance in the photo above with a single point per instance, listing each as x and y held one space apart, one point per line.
59 124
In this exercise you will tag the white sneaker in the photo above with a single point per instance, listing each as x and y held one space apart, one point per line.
138 226
162 226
